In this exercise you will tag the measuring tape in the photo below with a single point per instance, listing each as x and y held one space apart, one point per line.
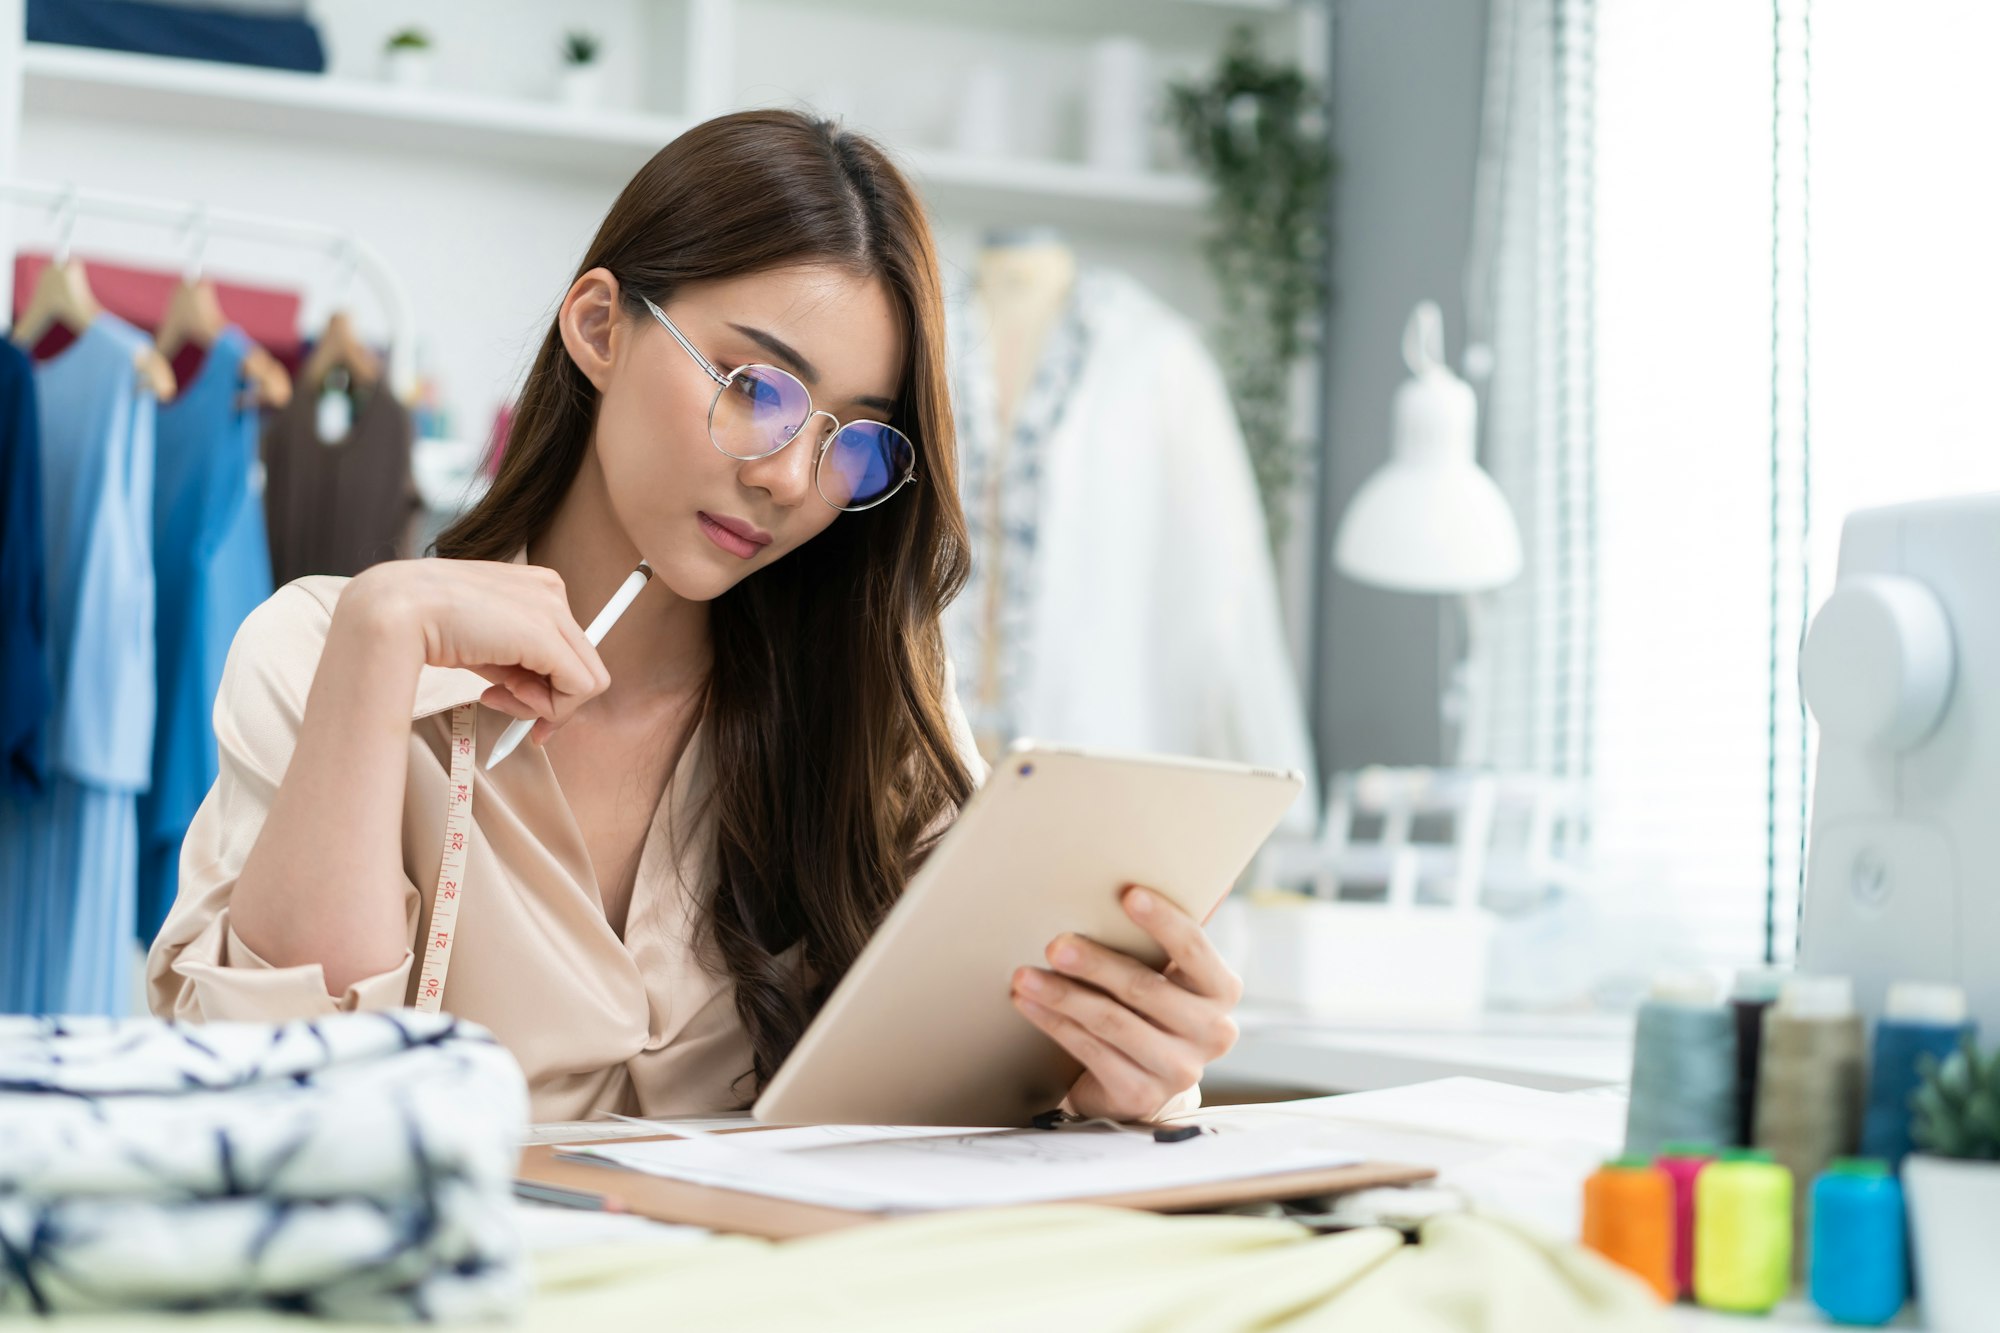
451 866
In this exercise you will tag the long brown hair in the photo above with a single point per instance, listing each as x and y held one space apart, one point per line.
825 709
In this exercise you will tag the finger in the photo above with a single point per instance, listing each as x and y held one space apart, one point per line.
1131 1087
572 680
501 700
1137 986
1171 1059
528 689
1197 964
586 653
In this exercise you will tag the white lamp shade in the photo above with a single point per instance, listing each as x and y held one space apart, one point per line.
1430 520
1429 527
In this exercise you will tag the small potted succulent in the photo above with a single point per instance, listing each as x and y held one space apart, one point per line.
581 83
1953 1184
406 58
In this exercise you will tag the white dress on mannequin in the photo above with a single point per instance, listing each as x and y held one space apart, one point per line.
1123 594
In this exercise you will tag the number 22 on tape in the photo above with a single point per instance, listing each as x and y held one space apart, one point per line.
451 866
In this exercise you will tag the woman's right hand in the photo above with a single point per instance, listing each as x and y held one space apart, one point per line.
510 623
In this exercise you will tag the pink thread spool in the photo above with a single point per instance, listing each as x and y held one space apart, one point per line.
1682 1162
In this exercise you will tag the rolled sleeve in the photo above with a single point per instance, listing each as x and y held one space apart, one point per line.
198 968
226 979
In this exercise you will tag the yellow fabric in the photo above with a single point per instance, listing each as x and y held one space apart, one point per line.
1077 1269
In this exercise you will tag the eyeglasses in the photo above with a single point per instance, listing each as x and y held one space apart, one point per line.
758 410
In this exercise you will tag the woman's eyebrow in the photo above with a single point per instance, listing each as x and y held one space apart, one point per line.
801 367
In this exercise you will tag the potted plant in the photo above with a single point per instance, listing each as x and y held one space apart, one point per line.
581 82
1256 129
406 58
1953 1185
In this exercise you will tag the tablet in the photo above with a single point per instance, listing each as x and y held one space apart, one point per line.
921 1030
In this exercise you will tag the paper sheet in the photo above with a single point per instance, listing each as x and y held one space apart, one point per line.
581 1131
918 1170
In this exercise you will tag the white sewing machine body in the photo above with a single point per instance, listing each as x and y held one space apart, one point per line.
1902 670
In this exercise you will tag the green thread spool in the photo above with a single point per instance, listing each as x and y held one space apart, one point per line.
1810 1089
1743 1232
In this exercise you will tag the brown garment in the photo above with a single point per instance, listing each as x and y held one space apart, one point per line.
337 508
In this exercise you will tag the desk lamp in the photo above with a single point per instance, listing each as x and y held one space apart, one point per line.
1430 521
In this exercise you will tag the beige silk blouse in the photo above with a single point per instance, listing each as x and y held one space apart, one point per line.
638 1025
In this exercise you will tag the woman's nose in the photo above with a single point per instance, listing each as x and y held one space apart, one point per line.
787 476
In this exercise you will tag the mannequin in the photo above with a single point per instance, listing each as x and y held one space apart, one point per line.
1026 278
1122 595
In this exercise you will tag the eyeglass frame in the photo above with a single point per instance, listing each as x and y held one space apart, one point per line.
723 381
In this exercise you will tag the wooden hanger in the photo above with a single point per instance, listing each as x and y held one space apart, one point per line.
194 315
340 347
62 296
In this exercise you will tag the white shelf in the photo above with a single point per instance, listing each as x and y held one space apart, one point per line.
160 91
603 144
1171 22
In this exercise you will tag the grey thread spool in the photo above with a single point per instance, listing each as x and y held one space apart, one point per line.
1809 1085
1683 1067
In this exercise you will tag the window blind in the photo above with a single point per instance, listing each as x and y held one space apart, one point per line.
1779 311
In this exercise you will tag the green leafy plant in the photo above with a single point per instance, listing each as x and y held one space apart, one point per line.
1957 1105
581 48
409 39
1257 131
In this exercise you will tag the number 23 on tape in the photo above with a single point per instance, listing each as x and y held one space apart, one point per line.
451 866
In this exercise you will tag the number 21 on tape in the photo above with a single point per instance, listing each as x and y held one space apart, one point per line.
451 866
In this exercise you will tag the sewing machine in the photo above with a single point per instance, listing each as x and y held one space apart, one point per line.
1901 668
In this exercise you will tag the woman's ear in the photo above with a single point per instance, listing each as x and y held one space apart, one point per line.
589 320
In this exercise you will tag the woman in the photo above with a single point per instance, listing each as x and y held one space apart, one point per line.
745 387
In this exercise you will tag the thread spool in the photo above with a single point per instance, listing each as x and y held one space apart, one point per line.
1683 1163
1809 1086
1754 991
1683 1067
1918 1019
1860 1266
1628 1211
1743 1232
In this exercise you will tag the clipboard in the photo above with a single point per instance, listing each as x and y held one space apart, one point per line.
679 1201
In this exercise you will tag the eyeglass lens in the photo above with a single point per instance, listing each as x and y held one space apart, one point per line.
762 408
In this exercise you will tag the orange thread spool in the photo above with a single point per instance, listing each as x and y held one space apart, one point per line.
1628 1217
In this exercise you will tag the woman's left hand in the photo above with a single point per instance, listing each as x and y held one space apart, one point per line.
1144 1036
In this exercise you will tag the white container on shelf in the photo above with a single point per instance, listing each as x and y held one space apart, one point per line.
1365 962
1117 106
581 86
984 125
407 66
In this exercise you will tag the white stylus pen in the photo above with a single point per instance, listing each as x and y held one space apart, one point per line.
518 729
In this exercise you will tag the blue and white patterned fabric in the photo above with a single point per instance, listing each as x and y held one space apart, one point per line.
358 1166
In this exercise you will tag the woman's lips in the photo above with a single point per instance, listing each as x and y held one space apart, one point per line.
734 535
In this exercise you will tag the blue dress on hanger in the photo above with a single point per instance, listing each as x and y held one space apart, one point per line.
212 567
71 854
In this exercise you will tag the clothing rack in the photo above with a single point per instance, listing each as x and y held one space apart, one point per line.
350 253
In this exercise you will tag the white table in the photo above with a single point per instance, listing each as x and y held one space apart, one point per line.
1556 1054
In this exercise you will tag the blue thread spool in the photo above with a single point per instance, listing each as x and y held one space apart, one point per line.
1918 1019
1683 1067
1859 1263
